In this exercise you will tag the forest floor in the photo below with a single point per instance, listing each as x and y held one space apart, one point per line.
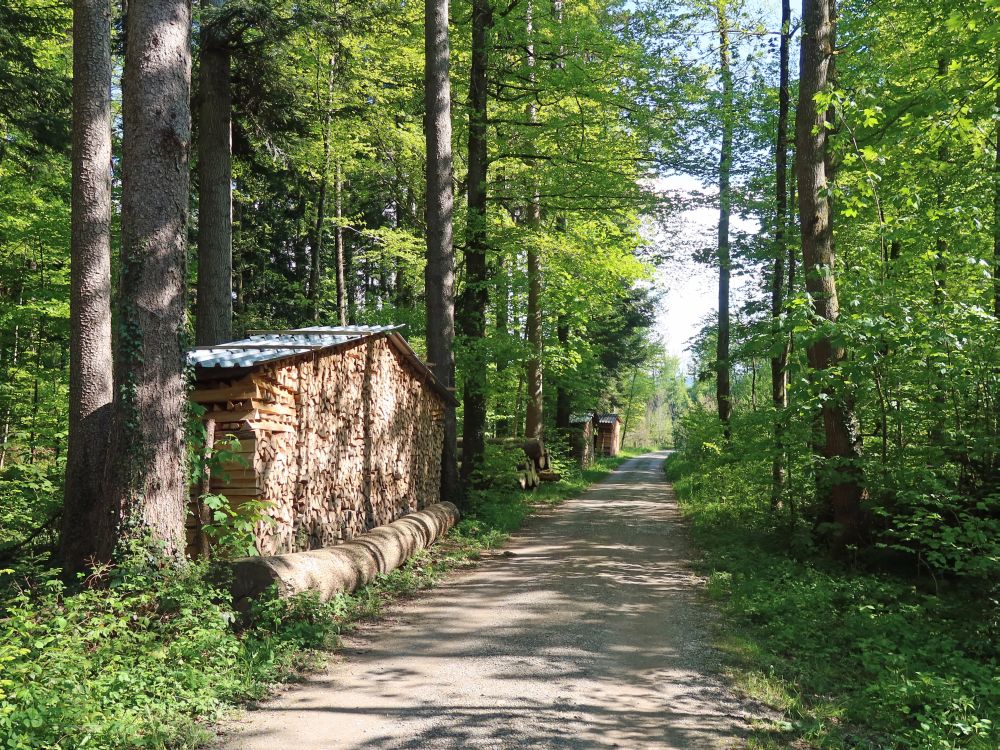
590 630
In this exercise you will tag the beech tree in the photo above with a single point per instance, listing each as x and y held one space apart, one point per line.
779 362
841 480
723 366
90 373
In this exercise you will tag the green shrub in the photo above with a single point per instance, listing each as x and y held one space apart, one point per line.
130 664
855 659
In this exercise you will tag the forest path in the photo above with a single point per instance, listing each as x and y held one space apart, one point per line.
591 633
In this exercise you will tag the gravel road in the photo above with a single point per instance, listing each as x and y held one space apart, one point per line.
590 633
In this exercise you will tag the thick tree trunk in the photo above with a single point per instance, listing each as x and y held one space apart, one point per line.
534 417
91 389
723 367
779 363
840 482
475 298
440 270
148 487
214 312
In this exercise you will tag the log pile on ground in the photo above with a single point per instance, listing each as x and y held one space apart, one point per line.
335 442
345 567
537 467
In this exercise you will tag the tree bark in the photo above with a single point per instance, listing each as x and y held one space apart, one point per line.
214 318
475 297
723 367
534 416
339 239
996 209
841 481
148 487
316 258
91 389
504 425
564 400
439 274
779 363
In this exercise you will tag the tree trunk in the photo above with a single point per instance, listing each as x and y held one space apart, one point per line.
148 487
214 318
840 483
564 400
779 363
316 259
91 389
534 418
723 387
939 275
440 270
504 424
475 298
339 239
996 210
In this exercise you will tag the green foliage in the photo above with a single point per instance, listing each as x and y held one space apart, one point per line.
852 659
232 528
92 668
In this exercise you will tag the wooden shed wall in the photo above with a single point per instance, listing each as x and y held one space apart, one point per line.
362 448
609 439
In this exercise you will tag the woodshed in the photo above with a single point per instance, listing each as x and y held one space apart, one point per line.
340 430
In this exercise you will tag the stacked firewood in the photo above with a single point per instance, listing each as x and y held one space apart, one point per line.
537 467
335 443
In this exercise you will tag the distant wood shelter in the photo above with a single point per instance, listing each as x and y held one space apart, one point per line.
340 430
608 434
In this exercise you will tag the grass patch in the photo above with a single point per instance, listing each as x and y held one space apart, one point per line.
850 658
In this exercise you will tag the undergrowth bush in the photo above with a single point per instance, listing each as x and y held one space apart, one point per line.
128 664
853 657
142 654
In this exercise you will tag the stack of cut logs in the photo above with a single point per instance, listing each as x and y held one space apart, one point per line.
537 467
335 443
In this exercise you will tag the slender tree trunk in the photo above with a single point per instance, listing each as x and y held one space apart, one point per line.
841 482
723 387
564 400
504 424
475 298
11 364
996 209
91 388
940 272
214 313
148 487
779 363
339 239
316 260
440 270
534 417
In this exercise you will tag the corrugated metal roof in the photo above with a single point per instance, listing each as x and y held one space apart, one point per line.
271 345
607 418
580 418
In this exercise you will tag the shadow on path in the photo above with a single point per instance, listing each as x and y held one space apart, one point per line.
592 635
